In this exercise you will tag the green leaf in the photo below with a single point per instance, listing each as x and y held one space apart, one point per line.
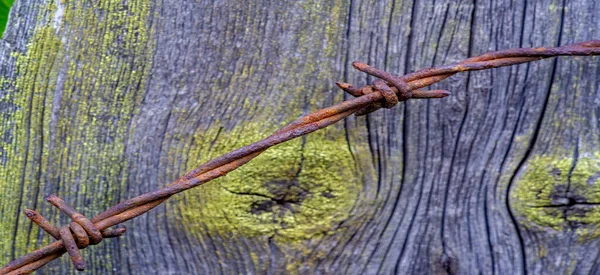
4 11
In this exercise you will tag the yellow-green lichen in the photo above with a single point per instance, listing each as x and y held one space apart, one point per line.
22 123
294 191
76 89
560 193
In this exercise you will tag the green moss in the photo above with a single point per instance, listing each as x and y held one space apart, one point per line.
295 191
560 193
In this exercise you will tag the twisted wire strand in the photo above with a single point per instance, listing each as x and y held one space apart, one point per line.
385 92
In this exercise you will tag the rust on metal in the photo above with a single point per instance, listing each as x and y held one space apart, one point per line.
72 249
113 233
95 235
81 236
385 92
38 219
431 94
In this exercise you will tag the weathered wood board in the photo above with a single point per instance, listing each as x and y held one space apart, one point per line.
102 100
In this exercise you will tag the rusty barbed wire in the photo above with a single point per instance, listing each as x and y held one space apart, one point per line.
385 92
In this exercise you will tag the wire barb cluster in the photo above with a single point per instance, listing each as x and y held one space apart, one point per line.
385 92
392 88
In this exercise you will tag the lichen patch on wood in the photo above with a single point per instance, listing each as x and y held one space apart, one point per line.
69 110
560 192
295 191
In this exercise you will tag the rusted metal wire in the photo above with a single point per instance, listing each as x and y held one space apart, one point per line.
385 92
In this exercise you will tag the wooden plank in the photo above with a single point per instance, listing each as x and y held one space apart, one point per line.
104 100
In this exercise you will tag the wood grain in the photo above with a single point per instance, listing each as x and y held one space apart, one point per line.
104 100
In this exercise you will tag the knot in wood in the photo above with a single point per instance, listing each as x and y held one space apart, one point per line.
402 89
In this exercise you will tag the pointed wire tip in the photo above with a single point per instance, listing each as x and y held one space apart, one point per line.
29 212
359 65
348 88
113 233
120 230
51 197
343 86
80 265
443 93
430 94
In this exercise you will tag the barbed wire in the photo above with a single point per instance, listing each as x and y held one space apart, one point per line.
385 92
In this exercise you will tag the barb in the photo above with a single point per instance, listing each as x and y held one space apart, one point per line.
385 92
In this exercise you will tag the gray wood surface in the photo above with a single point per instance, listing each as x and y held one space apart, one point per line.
105 100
